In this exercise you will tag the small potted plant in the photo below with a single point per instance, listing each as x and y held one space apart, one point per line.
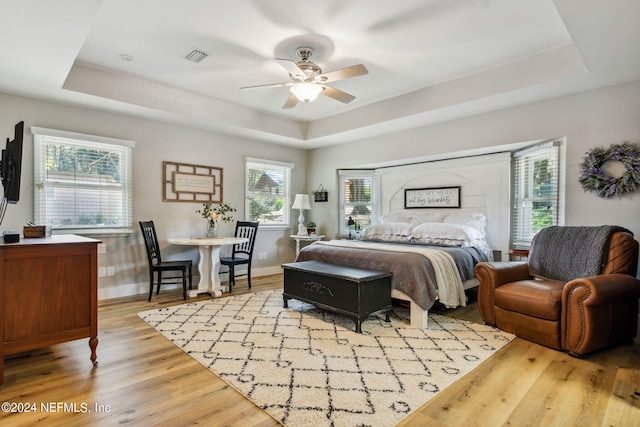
311 227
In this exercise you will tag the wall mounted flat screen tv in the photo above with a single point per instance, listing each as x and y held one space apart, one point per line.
11 165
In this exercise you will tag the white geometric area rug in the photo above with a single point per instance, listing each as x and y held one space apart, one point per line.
308 367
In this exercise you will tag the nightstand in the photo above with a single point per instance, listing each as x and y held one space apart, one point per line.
518 254
299 239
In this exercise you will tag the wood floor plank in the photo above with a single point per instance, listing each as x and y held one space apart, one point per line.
569 392
623 407
467 402
143 379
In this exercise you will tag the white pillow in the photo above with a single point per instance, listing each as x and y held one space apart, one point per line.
387 238
388 229
428 217
477 221
438 241
442 232
390 218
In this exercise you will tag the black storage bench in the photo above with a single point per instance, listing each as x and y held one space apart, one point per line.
354 292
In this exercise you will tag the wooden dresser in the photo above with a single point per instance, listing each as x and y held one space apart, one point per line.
48 293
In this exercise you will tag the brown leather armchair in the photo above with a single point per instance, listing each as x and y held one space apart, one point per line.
579 315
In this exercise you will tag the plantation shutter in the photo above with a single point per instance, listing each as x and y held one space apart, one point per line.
536 191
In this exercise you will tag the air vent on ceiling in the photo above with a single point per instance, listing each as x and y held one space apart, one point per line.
196 55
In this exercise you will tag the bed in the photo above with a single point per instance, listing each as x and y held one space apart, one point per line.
431 257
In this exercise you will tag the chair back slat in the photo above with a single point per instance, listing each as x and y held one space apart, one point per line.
248 230
151 242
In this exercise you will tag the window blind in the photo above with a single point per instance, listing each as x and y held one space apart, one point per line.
357 199
267 192
536 192
82 183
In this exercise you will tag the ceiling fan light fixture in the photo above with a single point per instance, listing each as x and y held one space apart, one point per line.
306 92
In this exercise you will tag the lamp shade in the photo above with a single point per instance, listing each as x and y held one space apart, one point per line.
306 92
301 202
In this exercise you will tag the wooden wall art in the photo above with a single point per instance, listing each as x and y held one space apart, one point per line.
184 182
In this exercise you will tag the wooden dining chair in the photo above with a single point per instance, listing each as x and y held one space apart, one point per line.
157 266
242 253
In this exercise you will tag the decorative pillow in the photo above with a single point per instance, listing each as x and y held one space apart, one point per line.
439 241
387 238
477 221
428 217
443 232
390 218
388 229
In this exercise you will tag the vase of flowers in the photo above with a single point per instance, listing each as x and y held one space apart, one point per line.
212 229
213 214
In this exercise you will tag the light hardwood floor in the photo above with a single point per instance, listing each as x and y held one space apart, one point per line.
144 380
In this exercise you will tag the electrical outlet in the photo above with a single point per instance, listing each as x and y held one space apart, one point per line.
102 271
111 270
264 255
102 248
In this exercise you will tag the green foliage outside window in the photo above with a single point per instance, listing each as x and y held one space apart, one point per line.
266 194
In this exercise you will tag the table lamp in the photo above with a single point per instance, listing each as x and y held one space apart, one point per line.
301 202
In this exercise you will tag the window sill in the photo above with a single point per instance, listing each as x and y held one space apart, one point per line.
95 232
275 227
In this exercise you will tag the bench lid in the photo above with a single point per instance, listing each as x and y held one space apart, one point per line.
339 271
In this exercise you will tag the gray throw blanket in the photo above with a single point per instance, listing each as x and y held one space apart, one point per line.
567 253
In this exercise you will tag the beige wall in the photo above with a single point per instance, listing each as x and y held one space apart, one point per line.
155 142
587 120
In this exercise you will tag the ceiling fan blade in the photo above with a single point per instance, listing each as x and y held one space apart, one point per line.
269 85
343 73
337 94
291 102
291 67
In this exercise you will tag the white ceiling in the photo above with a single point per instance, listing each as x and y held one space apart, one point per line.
428 60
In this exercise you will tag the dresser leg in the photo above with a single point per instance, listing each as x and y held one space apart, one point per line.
93 344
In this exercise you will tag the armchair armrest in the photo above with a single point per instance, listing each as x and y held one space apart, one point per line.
599 311
492 275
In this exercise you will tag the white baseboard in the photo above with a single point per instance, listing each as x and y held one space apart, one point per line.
131 289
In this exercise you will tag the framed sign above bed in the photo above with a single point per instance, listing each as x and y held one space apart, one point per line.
435 197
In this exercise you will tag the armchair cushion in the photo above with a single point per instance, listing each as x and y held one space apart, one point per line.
536 298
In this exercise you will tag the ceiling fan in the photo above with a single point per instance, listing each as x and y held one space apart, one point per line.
308 80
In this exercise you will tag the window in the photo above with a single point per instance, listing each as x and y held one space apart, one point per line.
82 183
357 199
267 192
536 191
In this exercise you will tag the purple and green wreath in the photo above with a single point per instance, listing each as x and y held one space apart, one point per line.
593 178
